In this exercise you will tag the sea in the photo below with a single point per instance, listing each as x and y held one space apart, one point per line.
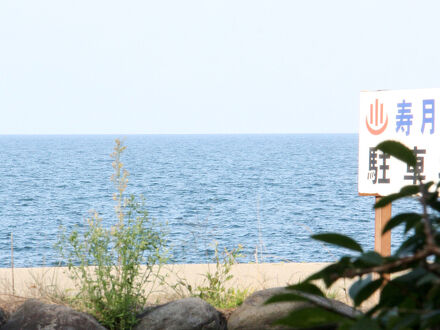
266 193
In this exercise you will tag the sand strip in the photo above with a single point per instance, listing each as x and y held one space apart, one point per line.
36 282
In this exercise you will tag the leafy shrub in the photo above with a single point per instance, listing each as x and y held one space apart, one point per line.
113 265
213 288
411 298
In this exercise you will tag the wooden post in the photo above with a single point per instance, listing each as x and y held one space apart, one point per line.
382 243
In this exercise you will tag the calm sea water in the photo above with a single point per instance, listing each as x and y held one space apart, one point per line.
265 192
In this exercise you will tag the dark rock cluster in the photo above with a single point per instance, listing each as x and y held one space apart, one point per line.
182 314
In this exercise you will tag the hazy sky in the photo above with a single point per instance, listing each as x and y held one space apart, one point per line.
87 66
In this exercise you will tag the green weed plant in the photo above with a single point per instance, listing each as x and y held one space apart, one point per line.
114 265
214 286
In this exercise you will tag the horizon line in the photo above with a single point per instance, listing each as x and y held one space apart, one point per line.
132 134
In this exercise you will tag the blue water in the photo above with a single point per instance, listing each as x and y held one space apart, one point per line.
265 192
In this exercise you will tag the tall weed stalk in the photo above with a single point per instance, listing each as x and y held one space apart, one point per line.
114 265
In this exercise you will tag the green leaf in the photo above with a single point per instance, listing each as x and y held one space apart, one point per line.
283 297
345 325
428 278
433 293
411 277
365 324
371 258
410 218
366 291
404 192
430 319
409 190
435 204
406 322
410 225
339 240
399 151
364 288
332 272
392 294
310 317
356 286
307 288
409 245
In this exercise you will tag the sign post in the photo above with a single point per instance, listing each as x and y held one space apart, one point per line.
382 242
407 116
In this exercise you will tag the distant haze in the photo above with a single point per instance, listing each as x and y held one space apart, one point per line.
93 67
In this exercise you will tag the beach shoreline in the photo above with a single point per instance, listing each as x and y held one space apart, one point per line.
35 282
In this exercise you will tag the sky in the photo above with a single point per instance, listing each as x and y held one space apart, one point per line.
207 67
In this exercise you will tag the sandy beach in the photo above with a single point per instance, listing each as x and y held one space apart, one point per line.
38 282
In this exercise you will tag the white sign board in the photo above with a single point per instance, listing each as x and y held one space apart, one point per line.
408 116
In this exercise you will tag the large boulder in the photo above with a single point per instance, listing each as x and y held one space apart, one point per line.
182 314
254 314
3 316
34 314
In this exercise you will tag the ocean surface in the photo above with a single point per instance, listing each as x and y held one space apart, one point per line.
268 193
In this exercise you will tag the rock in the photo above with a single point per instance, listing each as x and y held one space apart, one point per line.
182 314
34 314
253 314
3 316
